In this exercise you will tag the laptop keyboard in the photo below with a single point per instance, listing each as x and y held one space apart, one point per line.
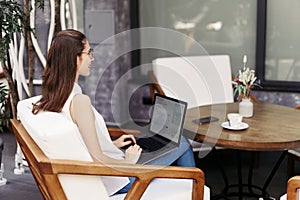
149 144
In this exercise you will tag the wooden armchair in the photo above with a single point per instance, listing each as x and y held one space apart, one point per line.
194 79
292 189
47 171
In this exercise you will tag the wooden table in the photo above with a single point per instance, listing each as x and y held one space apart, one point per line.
272 128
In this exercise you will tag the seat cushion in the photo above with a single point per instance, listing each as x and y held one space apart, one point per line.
295 152
284 197
168 189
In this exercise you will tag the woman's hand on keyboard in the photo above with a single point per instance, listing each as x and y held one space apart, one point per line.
125 140
133 153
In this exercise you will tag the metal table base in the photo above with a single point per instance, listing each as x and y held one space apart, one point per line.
245 189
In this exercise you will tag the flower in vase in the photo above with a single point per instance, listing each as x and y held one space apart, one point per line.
244 82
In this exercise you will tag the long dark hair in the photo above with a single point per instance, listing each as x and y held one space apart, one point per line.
60 73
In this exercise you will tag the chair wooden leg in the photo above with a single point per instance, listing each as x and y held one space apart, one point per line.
291 165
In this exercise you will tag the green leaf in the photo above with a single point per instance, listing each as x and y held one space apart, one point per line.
12 20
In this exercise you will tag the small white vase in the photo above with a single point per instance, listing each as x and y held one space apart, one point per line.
246 108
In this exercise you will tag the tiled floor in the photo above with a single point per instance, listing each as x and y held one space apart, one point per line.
23 186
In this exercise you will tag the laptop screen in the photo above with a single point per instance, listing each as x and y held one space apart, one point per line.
168 117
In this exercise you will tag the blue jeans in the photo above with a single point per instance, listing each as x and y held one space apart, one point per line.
182 156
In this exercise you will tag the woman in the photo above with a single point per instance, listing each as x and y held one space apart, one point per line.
69 57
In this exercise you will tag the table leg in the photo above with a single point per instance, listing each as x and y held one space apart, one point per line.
274 170
224 176
240 176
250 173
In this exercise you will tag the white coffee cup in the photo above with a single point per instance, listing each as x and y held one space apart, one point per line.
235 119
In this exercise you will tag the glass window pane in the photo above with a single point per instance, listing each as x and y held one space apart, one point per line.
282 61
221 27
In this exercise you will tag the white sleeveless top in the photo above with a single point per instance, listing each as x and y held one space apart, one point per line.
112 184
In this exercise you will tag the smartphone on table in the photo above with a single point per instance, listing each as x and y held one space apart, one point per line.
204 120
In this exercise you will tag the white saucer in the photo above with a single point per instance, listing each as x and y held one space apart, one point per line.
241 127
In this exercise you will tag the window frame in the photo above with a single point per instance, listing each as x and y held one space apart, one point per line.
271 85
260 54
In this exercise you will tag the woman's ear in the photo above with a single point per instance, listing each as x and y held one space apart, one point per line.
78 62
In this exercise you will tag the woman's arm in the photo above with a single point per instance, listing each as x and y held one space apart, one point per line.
82 114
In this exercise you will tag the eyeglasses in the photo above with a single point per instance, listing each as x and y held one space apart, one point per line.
90 53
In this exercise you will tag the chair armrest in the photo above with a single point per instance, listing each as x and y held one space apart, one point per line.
293 185
144 174
117 132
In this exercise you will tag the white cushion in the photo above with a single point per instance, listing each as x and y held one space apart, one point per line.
168 189
200 80
295 152
283 197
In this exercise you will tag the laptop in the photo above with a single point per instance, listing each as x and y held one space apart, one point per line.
165 128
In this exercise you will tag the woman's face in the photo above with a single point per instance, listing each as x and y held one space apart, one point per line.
84 60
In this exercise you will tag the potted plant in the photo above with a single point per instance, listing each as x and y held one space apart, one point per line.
243 84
